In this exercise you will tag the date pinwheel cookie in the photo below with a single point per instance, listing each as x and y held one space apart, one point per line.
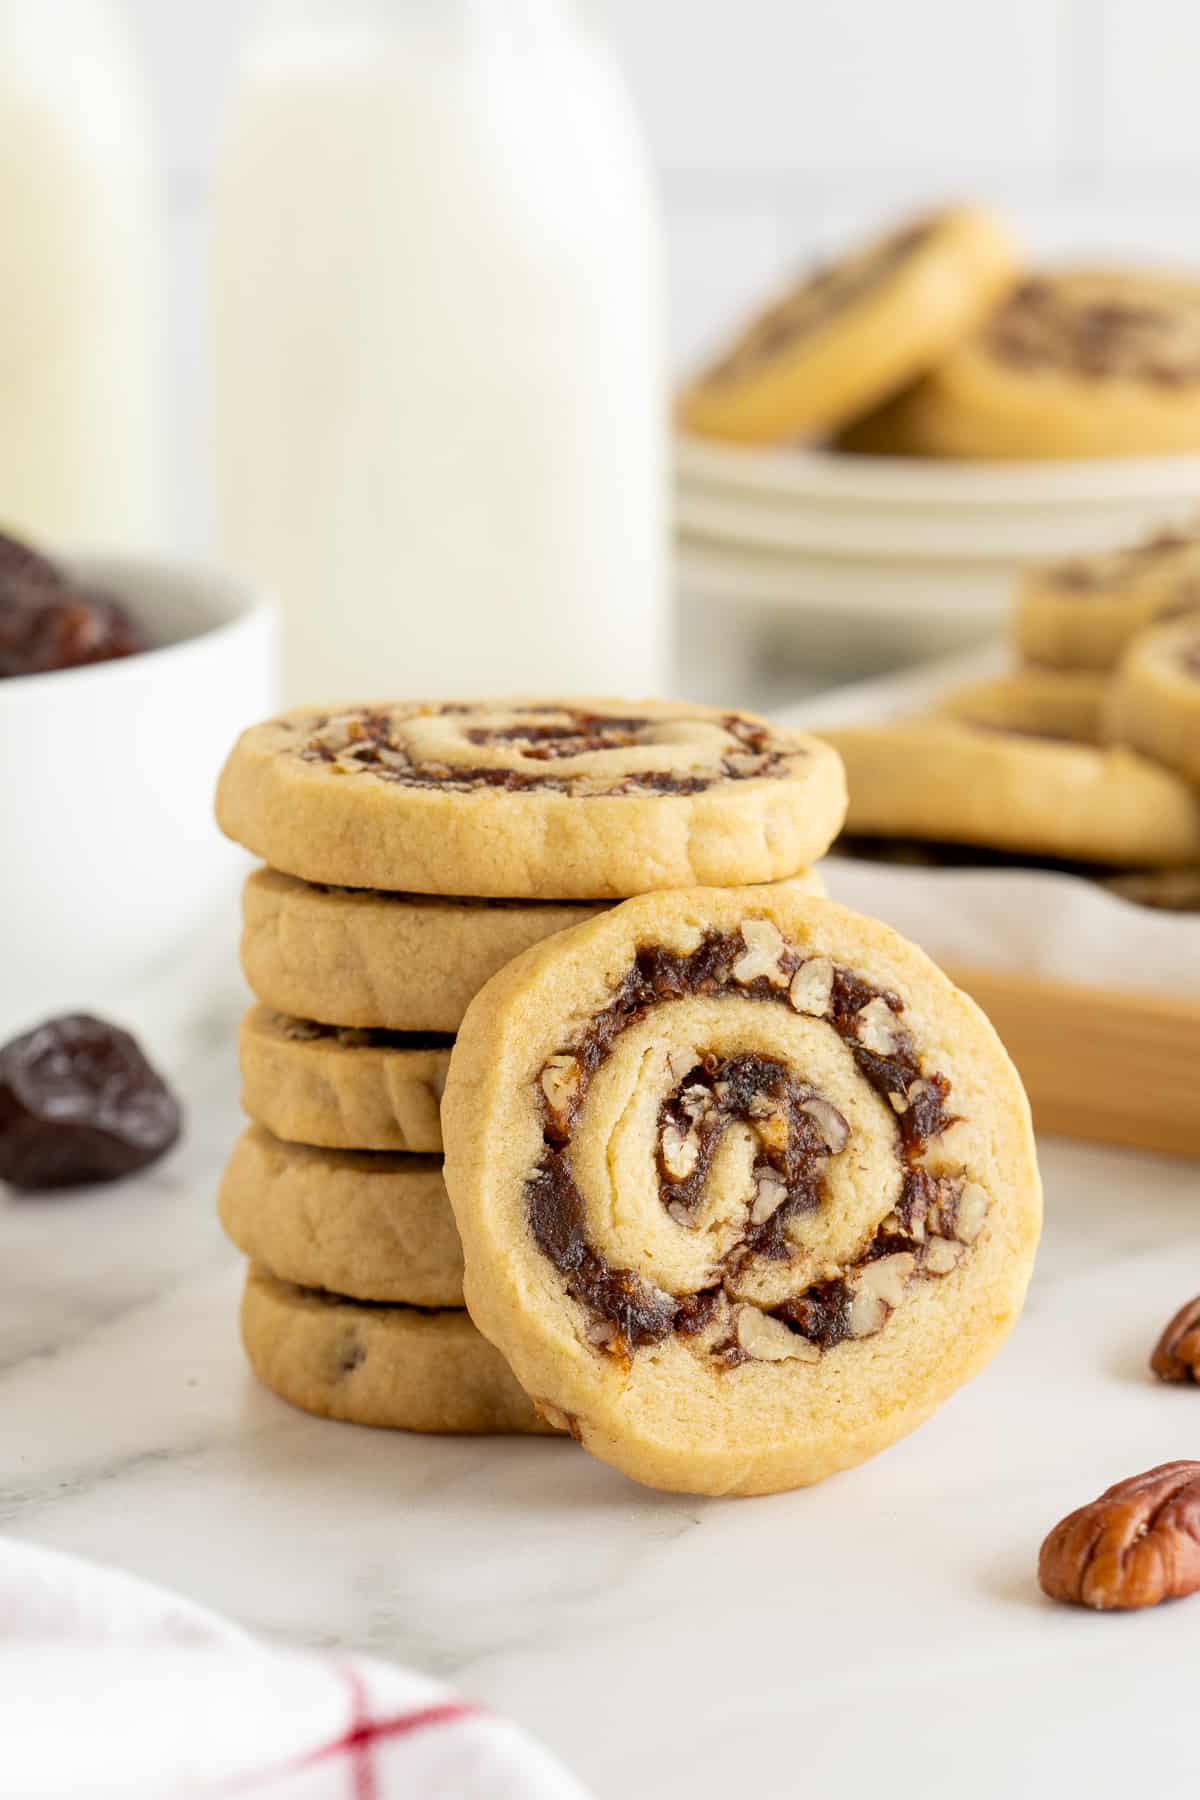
1084 612
853 332
940 781
380 961
1082 363
373 1227
574 800
1155 700
746 1187
398 1367
1034 702
342 1088
391 962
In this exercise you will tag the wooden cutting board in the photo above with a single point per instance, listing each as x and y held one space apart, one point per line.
1118 1068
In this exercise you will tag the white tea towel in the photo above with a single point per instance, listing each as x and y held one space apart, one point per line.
111 1687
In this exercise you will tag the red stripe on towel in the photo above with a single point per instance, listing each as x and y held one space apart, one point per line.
363 1733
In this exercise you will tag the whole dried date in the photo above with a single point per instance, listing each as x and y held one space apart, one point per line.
80 1103
1137 1545
1177 1354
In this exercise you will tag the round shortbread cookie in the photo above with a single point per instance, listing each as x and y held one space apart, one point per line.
533 800
342 1088
392 1366
1155 699
848 335
746 1188
375 1227
1034 702
941 781
1083 363
379 961
1083 613
394 962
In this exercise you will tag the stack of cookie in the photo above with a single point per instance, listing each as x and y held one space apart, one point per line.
1086 753
364 952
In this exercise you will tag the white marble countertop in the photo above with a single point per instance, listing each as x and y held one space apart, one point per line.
881 1633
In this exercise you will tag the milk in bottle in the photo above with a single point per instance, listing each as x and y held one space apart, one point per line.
440 351
79 278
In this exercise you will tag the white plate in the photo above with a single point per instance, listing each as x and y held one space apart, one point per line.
860 560
803 526
807 501
760 579
922 483
804 623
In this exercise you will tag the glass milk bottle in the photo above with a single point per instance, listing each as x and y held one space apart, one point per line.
79 278
441 376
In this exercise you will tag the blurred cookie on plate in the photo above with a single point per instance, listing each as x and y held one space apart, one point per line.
1034 702
850 334
1155 700
1079 363
1082 612
941 781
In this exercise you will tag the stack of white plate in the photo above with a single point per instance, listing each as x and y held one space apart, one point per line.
853 563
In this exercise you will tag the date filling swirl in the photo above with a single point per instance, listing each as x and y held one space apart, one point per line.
818 299
1174 551
796 1134
1088 327
547 749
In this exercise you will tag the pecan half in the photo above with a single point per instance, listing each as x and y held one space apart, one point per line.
1177 1353
1137 1545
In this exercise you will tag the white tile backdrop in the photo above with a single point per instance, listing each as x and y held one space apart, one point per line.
779 125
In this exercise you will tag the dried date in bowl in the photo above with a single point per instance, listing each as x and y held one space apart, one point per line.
21 565
80 1103
43 629
50 621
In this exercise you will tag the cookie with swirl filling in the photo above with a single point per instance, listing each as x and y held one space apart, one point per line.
1078 363
539 800
339 1088
853 331
1034 702
746 1187
1155 701
1082 613
392 962
373 1226
403 1368
945 782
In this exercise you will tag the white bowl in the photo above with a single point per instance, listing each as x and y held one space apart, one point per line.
110 855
